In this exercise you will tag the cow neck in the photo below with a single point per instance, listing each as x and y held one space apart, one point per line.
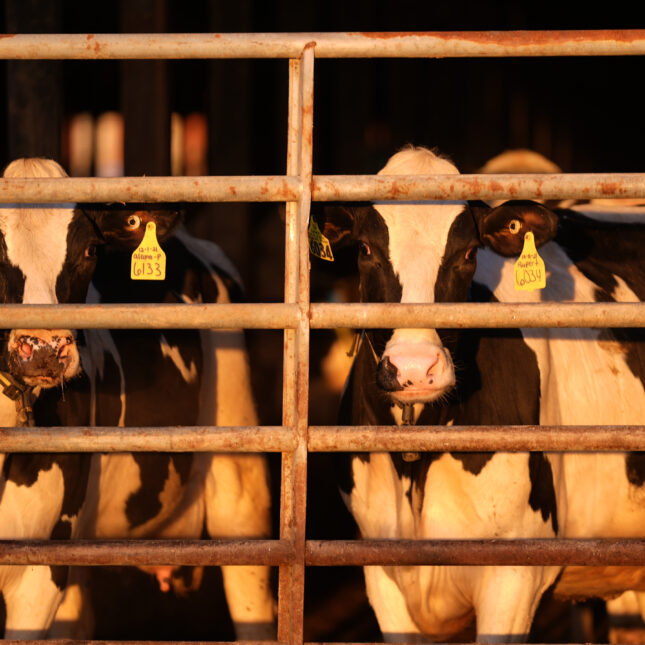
408 408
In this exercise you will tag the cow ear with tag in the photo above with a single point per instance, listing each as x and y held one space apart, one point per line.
337 225
504 228
124 225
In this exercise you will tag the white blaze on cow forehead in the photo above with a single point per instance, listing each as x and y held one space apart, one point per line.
418 232
36 234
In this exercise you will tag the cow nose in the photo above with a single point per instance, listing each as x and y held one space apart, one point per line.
417 371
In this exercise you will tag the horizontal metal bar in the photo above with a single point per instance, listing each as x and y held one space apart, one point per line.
582 552
324 439
323 315
327 45
475 438
146 552
325 188
65 641
276 188
460 187
478 315
165 439
151 316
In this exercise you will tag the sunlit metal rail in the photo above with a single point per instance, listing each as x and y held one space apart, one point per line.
324 315
324 188
297 316
440 44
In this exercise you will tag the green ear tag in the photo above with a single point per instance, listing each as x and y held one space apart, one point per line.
318 243
529 271
148 260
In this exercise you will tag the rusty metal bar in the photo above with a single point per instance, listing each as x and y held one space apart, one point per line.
475 438
165 439
149 189
296 354
323 315
561 551
327 45
62 641
478 315
324 439
287 188
460 187
548 551
146 552
151 316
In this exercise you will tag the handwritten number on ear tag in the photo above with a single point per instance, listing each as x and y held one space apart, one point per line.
318 244
529 271
148 260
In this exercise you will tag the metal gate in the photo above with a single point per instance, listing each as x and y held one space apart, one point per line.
298 187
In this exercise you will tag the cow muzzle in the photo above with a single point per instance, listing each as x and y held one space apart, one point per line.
415 372
43 357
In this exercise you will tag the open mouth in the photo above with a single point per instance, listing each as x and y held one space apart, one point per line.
418 395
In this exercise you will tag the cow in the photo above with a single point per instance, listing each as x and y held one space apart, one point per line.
167 378
453 252
49 255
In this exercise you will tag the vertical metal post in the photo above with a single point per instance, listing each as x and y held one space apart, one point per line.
296 348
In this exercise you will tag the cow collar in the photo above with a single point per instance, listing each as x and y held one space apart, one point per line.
21 394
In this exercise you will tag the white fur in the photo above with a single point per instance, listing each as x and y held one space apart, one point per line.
189 374
36 235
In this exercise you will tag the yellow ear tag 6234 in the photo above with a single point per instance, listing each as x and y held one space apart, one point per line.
148 260
529 271
318 243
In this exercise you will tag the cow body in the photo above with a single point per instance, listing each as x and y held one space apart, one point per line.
185 377
426 253
48 255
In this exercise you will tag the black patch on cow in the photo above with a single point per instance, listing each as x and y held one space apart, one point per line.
542 495
144 504
23 468
603 250
635 464
12 279
630 342
3 615
83 240
473 462
458 263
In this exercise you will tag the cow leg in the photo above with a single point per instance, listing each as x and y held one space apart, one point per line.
390 608
31 598
238 506
75 618
626 616
506 599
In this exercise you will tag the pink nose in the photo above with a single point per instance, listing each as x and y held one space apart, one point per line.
416 365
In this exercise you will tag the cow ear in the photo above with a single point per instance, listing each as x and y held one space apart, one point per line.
123 226
503 228
336 224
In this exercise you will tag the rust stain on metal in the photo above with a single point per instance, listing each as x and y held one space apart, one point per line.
7 36
612 188
232 190
517 38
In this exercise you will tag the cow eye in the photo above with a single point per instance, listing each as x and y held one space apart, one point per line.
133 223
90 251
364 249
514 226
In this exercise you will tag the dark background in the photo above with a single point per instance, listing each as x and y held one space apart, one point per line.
584 113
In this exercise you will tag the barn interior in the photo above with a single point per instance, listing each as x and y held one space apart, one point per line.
229 117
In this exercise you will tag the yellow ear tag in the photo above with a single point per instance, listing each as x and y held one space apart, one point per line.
318 244
529 271
148 260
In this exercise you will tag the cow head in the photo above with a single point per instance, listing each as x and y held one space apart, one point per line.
47 256
424 253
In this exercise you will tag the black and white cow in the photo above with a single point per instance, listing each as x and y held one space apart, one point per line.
49 254
174 377
451 252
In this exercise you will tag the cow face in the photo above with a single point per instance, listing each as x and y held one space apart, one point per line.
47 256
424 253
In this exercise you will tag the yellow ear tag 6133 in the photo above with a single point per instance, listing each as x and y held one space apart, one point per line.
529 271
318 244
148 260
